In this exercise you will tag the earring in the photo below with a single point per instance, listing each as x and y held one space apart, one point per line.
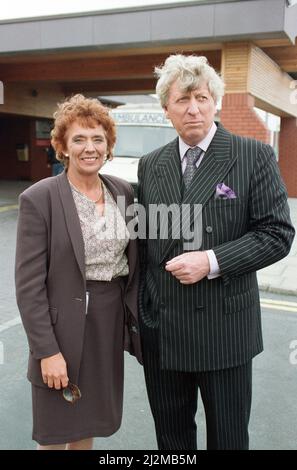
66 154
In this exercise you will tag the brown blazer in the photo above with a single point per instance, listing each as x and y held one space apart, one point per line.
50 274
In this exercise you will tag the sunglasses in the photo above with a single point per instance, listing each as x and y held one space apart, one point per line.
71 393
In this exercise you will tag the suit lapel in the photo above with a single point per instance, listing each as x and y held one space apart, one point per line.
72 221
167 174
73 224
215 165
168 179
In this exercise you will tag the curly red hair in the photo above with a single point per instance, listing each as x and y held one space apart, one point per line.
88 112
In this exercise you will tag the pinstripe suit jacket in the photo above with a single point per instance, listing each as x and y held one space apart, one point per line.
213 324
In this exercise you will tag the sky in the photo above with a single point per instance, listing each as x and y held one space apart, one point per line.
12 9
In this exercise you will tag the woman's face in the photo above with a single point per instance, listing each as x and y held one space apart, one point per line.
86 148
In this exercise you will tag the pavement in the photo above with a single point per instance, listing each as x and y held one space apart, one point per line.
279 278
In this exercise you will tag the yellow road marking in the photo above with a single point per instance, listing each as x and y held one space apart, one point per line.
9 208
279 305
279 302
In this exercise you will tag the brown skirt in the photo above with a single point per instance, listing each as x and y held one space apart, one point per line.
98 412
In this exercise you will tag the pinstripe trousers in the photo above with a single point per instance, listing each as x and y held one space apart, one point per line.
226 396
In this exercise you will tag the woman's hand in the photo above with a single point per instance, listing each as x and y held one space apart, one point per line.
54 371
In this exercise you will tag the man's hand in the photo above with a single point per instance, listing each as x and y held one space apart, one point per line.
190 267
54 371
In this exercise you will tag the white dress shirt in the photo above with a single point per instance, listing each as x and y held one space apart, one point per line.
204 144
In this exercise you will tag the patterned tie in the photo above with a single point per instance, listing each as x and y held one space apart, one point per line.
193 156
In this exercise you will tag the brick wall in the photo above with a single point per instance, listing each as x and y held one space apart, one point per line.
288 154
239 117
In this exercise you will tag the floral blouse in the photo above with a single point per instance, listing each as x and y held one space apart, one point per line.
105 237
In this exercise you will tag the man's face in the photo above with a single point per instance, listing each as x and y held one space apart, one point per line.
191 112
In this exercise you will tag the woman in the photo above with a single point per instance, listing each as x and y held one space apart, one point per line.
76 284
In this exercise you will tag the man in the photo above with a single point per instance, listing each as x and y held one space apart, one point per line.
199 306
56 165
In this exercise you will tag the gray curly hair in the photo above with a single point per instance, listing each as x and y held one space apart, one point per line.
189 71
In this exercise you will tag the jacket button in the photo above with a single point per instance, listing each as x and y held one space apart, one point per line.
208 229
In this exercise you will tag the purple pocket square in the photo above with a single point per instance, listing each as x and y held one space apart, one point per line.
224 192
